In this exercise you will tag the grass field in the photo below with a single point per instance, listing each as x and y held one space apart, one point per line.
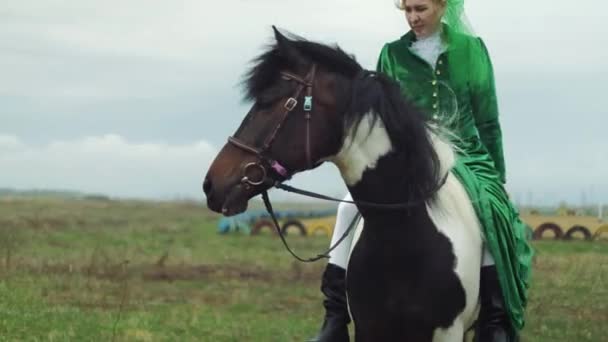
135 271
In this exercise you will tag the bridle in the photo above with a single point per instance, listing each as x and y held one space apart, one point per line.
264 161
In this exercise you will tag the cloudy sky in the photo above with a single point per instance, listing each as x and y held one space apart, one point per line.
133 98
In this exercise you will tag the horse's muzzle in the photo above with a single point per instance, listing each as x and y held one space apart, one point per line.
228 201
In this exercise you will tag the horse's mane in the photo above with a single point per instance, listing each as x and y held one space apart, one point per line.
370 93
267 67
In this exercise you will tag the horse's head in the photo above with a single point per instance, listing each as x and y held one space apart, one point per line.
295 122
313 103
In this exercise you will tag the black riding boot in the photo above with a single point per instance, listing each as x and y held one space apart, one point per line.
493 324
333 286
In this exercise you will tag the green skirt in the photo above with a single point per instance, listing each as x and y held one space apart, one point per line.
505 233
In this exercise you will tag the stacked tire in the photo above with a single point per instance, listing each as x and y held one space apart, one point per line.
571 234
601 230
291 225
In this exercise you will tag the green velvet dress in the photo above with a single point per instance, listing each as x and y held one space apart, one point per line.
466 104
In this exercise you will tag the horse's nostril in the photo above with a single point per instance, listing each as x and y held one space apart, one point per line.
207 185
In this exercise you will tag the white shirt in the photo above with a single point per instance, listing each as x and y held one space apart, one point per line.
429 48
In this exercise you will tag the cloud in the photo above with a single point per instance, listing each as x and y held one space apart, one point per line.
9 142
113 165
549 175
107 164
156 70
59 52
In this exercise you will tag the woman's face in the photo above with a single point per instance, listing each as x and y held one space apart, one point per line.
424 16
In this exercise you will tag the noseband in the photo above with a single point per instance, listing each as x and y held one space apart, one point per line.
264 161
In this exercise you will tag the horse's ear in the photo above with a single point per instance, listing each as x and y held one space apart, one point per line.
278 35
286 47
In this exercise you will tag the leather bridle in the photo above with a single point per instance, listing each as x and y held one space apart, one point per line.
264 161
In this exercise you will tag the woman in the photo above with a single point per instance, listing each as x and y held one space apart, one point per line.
447 73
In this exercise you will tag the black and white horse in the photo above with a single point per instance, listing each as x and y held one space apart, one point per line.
413 273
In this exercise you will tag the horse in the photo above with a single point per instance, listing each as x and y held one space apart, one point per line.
413 271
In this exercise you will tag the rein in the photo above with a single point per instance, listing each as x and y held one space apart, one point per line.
320 255
284 187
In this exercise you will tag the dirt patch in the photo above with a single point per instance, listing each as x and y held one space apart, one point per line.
117 272
205 272
231 272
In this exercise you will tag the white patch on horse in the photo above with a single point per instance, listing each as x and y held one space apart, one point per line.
444 150
454 216
451 212
362 149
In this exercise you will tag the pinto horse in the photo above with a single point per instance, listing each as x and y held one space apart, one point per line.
413 272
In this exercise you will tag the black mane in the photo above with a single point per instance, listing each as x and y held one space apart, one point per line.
407 128
370 93
267 67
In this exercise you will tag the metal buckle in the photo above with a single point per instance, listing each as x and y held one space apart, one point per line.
248 180
291 104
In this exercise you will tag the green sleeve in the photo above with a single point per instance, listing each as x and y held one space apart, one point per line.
384 65
485 112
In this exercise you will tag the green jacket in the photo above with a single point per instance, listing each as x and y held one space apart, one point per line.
464 99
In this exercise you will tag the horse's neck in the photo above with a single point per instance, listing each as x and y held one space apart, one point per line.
370 165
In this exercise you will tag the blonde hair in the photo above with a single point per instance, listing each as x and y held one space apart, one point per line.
401 3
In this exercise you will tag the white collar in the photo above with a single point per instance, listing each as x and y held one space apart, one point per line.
429 48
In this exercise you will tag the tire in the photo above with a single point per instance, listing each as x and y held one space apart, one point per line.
324 229
261 224
578 229
557 231
243 227
223 226
293 223
599 231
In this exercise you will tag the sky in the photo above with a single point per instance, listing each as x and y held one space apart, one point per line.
134 98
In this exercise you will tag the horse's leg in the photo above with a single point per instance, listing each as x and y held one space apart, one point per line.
455 333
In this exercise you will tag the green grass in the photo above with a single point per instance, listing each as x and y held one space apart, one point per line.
135 271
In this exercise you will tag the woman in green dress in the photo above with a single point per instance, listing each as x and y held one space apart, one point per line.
446 71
